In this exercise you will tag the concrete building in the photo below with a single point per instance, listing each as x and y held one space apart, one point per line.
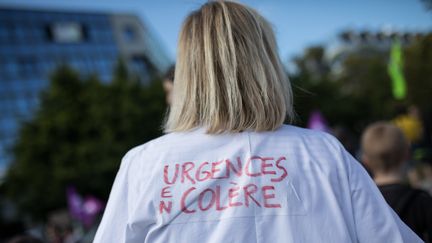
34 42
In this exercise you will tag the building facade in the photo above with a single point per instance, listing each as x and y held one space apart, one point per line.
34 42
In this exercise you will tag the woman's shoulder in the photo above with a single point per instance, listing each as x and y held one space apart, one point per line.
163 142
139 149
306 135
288 134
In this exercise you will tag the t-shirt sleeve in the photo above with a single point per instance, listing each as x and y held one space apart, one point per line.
374 220
115 226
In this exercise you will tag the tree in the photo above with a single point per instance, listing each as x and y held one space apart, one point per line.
78 136
315 89
418 72
366 81
361 91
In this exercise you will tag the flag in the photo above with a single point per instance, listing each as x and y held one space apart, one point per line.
317 122
395 67
83 209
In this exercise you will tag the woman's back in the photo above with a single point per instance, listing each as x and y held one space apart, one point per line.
290 185
254 179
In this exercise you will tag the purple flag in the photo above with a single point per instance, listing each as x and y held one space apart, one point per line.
84 210
317 122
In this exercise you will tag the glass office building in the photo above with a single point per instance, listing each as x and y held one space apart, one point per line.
34 42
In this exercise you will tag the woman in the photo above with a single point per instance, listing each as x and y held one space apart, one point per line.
229 170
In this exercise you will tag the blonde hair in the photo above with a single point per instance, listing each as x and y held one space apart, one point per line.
385 146
228 76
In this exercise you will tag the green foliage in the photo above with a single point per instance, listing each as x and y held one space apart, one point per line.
361 91
418 72
315 88
78 136
366 86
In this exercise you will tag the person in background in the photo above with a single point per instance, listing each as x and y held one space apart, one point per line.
385 151
410 122
228 169
420 175
168 83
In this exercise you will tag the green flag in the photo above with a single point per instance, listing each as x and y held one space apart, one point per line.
395 70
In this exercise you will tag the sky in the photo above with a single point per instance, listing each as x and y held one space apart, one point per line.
298 24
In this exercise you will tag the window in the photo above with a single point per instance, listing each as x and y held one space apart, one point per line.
141 67
108 36
27 65
19 33
4 34
66 32
11 68
129 34
36 33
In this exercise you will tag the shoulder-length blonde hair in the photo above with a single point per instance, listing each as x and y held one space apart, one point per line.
228 76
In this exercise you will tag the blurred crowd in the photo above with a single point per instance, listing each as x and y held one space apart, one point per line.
398 156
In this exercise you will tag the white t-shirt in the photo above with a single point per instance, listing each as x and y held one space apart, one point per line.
290 185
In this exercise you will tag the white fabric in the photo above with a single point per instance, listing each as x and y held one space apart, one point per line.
291 185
